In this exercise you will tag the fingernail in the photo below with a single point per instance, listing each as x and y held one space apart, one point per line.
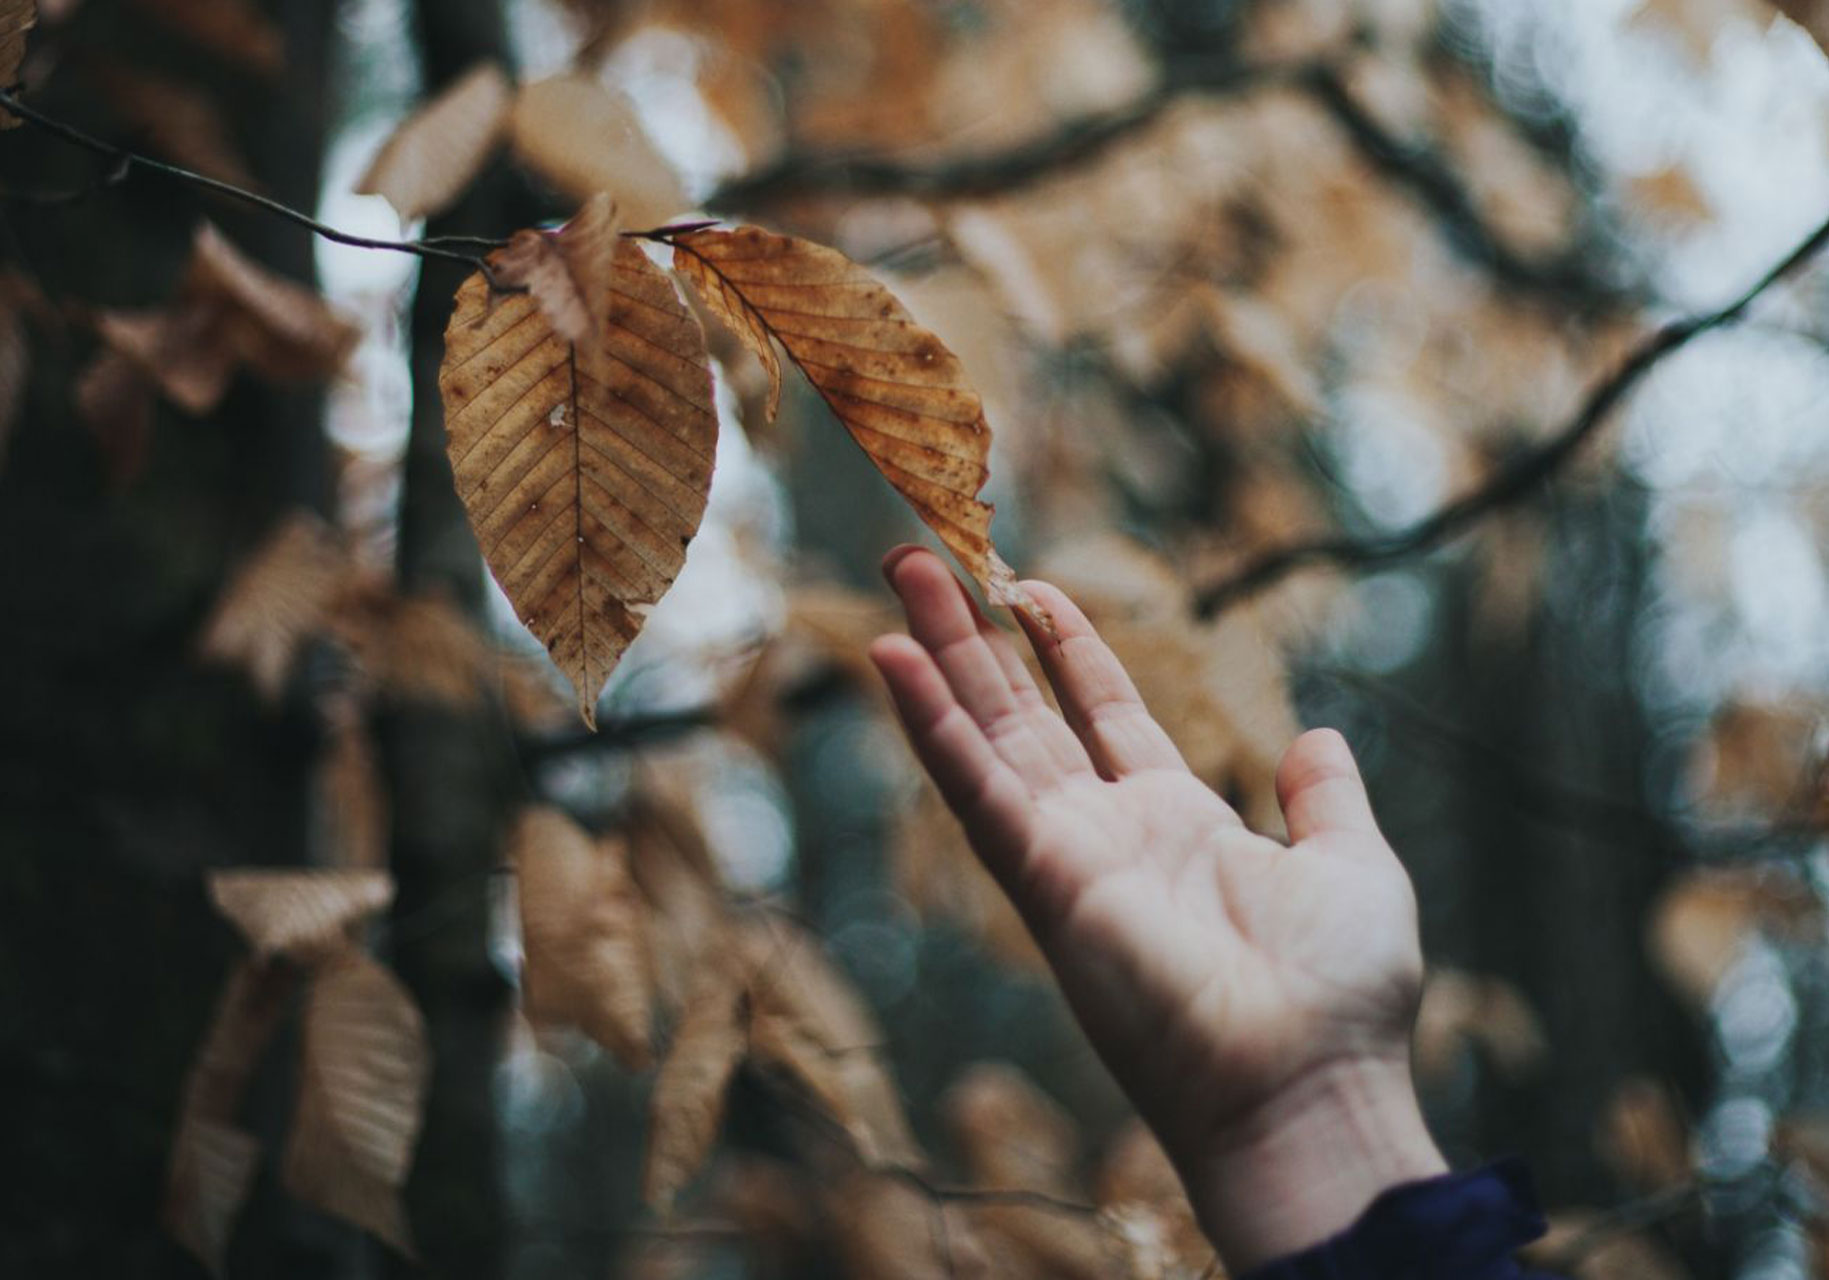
896 556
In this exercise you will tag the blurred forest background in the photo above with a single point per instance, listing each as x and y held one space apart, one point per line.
1385 364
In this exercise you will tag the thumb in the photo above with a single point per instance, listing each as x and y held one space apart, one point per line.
1319 787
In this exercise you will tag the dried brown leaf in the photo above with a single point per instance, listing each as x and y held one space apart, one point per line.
17 17
584 468
229 313
232 29
181 351
1643 1137
1702 922
114 399
807 1020
686 1108
276 600
361 1097
212 1170
1013 1137
566 273
439 149
247 1014
1613 1255
277 327
1010 1133
416 648
896 388
673 866
212 1162
585 138
771 1202
1461 1010
584 935
888 1230
301 915
1147 1214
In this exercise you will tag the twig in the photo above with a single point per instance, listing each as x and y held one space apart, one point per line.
1433 182
1511 483
1077 142
1418 169
126 161
634 731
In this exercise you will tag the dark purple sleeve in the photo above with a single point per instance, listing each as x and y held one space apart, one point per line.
1460 1226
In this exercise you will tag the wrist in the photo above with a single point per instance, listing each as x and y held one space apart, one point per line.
1306 1164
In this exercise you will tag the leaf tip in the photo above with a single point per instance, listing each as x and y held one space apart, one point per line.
1002 588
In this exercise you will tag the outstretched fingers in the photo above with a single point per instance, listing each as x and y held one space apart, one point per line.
986 794
1319 787
1095 692
983 672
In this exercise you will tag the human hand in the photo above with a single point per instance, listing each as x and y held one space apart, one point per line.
1254 1000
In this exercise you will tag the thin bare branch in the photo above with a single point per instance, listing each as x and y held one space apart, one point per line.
1511 483
124 161
1077 142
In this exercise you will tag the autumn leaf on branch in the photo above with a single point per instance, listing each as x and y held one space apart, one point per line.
301 915
16 18
687 1105
584 933
361 1097
212 1170
229 314
807 1020
212 1161
439 149
275 601
580 428
893 384
585 138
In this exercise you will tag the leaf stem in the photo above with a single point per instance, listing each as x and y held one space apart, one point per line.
125 161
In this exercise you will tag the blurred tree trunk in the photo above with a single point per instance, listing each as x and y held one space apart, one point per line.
127 768
452 771
1558 899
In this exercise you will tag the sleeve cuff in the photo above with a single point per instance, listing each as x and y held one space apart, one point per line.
1460 1226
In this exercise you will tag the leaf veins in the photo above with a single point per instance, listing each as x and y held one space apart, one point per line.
893 384
584 465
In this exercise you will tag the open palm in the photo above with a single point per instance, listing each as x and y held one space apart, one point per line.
1215 970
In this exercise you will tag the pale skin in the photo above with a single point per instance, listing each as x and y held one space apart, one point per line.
1254 998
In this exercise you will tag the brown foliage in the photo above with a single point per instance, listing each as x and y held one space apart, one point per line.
687 1106
438 151
303 916
896 388
17 17
585 934
361 1093
806 1020
212 1161
584 465
278 598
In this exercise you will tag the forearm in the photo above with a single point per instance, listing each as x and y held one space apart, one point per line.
1306 1165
